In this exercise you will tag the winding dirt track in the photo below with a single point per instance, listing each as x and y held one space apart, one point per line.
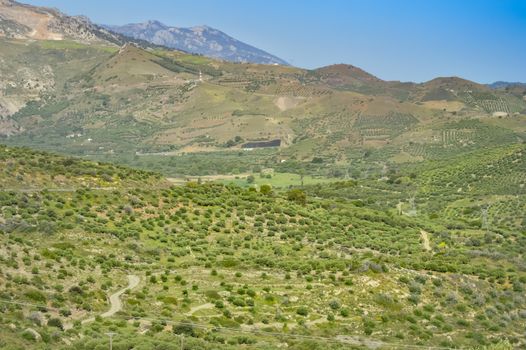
115 299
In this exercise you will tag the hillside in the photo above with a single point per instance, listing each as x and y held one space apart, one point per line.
230 267
188 115
173 188
21 21
201 40
27 170
159 104
184 114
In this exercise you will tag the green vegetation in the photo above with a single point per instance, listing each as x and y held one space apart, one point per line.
149 110
391 214
229 267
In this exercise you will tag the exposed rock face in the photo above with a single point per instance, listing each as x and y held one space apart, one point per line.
22 21
201 40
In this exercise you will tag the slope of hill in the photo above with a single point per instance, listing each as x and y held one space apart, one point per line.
25 21
339 75
338 210
27 170
184 114
21 21
229 267
201 40
119 103
455 192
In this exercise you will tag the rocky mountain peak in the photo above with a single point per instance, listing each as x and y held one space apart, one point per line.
200 39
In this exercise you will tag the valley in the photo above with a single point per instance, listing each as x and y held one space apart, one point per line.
179 201
223 264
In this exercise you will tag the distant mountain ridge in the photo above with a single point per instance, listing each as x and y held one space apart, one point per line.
505 84
22 21
202 40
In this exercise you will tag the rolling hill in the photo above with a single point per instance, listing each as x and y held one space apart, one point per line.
229 267
152 107
179 201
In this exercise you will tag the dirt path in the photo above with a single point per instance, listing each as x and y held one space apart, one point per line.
425 240
115 299
200 307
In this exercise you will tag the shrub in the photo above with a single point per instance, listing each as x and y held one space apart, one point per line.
36 295
184 328
55 322
368 326
76 290
404 279
302 311
298 196
334 304
29 335
265 189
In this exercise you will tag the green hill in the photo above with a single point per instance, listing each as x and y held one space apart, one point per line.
231 267
177 201
166 110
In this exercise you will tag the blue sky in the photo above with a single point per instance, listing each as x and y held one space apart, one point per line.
408 40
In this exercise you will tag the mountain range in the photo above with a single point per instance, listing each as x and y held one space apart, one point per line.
506 84
30 22
202 40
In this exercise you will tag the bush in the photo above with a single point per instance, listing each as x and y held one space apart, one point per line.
76 290
265 189
36 295
302 311
184 328
368 326
334 304
55 322
297 196
29 335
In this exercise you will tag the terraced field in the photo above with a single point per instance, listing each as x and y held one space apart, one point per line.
230 267
121 103
385 214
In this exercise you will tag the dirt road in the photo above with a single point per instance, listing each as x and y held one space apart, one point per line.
115 299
